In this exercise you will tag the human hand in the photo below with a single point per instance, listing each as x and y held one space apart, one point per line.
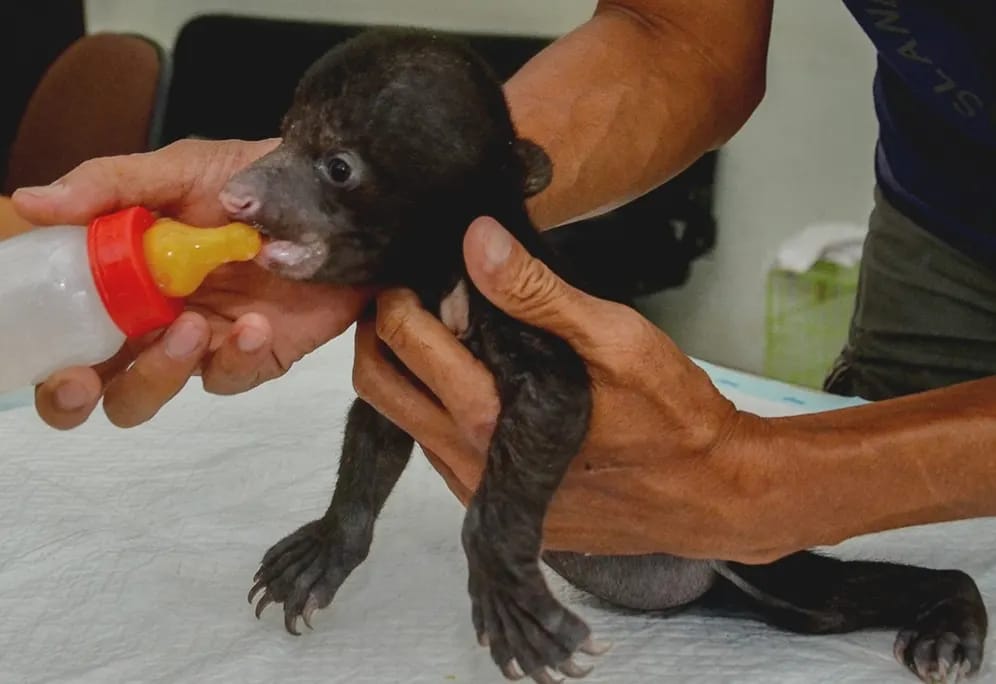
243 327
667 465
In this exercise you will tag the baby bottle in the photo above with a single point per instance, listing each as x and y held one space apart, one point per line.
72 295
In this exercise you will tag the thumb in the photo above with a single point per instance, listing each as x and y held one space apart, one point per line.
95 187
526 289
184 175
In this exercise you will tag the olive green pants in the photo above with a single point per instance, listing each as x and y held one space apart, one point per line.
924 317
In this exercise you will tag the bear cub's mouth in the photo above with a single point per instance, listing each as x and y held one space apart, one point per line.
295 259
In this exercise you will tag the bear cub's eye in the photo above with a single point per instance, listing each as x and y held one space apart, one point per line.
339 169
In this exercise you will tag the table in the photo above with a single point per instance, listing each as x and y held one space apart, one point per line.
126 556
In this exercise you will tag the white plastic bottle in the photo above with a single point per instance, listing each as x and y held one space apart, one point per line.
72 295
51 315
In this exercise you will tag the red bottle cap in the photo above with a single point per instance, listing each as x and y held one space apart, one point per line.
126 287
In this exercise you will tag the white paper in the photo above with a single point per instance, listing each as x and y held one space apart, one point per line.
839 243
126 556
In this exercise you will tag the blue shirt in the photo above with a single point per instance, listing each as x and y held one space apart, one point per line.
934 92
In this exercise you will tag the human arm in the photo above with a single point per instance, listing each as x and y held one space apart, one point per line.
670 465
636 94
243 327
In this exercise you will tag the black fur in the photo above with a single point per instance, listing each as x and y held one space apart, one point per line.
396 141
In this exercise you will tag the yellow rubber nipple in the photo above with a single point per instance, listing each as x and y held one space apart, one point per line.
180 257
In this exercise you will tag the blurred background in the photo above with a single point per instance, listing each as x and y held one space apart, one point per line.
111 76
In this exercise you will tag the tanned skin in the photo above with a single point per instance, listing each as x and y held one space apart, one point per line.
395 142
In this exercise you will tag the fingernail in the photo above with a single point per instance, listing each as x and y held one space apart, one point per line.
251 340
70 396
497 245
42 191
182 340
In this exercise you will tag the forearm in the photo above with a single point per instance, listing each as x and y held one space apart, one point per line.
635 95
915 460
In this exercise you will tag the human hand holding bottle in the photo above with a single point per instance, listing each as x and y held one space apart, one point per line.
243 327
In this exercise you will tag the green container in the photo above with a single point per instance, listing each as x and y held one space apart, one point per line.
806 321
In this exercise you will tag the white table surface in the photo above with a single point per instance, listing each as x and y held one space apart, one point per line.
126 555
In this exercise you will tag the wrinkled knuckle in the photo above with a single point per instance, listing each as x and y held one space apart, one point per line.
177 147
218 153
184 147
535 282
534 290
87 167
99 169
191 161
392 325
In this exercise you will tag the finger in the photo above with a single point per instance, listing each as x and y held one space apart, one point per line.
380 384
154 179
102 185
159 372
239 363
66 399
444 365
526 289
